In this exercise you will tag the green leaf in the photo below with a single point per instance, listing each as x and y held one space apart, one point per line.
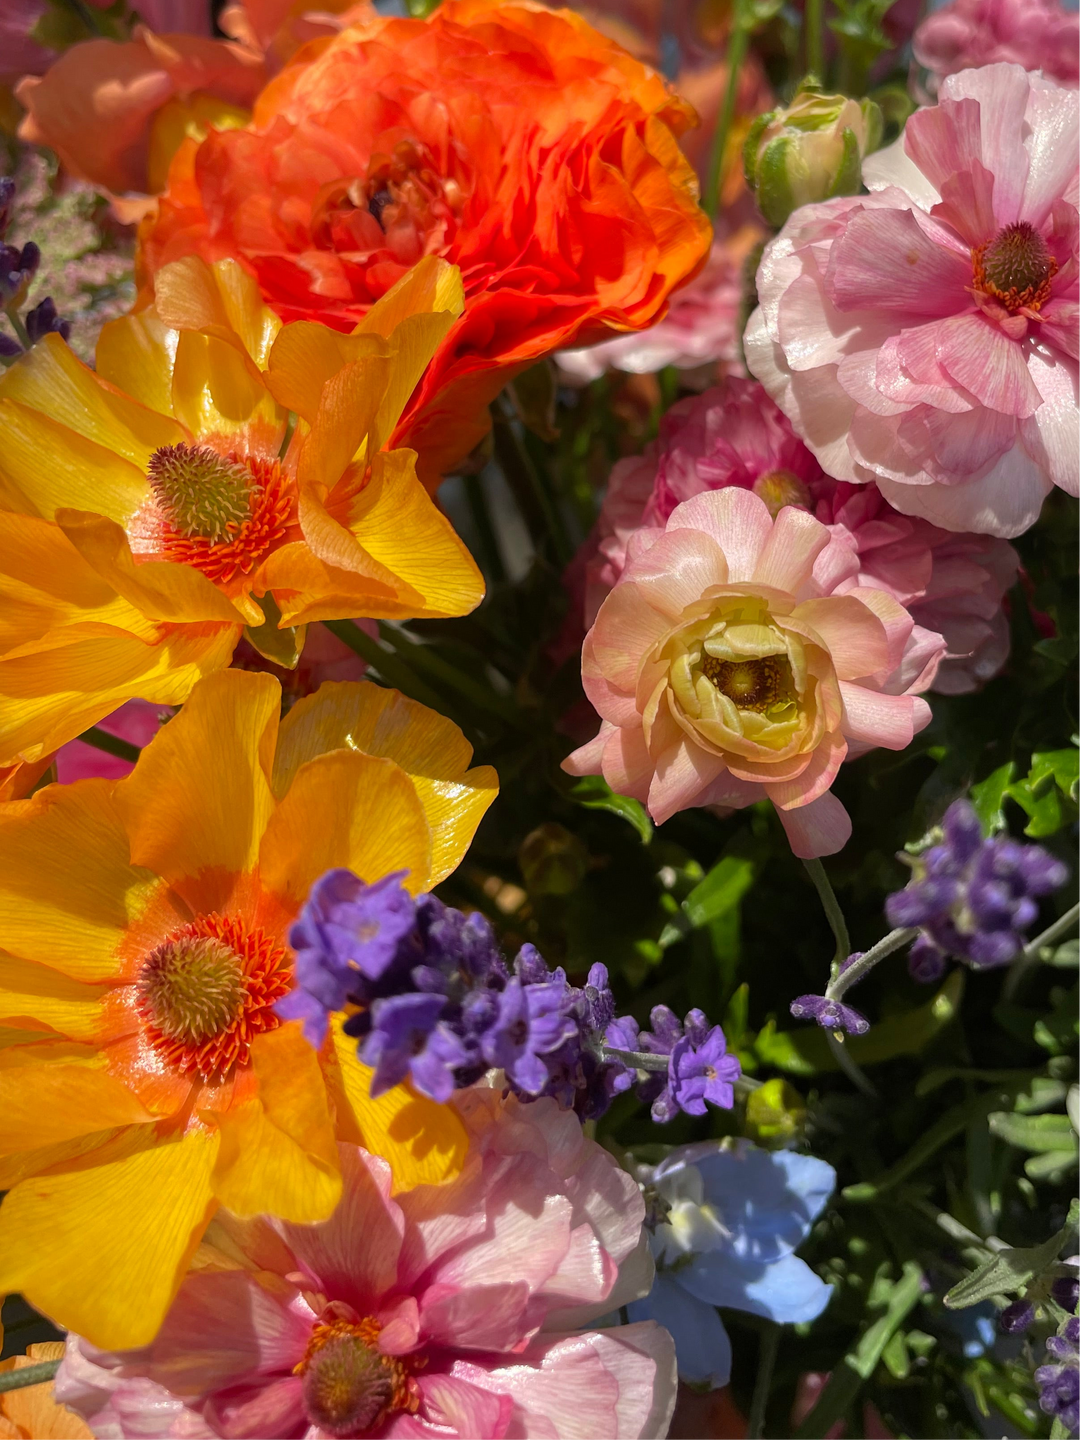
722 889
1047 794
1005 1273
594 793
1052 1164
896 1358
1033 1132
988 796
283 647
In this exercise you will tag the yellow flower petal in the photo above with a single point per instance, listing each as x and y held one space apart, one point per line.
431 285
133 1211
159 589
221 299
429 748
278 1155
53 467
348 404
51 379
71 916
351 810
135 353
306 355
53 689
306 588
333 544
51 1104
199 796
423 1142
37 995
399 525
217 390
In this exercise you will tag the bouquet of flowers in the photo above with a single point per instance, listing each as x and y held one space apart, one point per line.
538 756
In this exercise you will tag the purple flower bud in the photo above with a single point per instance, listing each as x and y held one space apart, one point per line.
829 1014
1016 1317
1066 1293
926 963
530 967
43 320
963 832
666 1031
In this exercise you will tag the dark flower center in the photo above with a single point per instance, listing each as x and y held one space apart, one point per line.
349 1388
750 684
193 987
1016 268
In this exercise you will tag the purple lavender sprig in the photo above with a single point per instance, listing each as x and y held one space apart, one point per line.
18 266
436 1002
1059 1379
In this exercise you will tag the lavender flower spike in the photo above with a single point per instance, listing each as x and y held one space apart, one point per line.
829 1014
700 1069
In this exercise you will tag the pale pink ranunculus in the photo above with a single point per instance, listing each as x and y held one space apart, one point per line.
727 667
443 1311
924 336
700 328
965 34
951 584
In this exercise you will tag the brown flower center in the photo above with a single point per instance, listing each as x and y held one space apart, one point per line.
751 684
207 990
349 1388
1015 268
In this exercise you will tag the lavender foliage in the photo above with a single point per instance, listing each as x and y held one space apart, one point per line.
433 1000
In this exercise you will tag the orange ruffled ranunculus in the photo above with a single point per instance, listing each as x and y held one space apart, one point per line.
144 1077
513 140
151 522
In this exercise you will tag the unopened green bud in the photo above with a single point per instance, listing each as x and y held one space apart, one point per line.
809 150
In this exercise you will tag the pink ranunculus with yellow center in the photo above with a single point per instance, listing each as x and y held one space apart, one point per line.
452 1311
924 336
727 670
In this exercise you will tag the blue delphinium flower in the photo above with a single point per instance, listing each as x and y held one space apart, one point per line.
725 1221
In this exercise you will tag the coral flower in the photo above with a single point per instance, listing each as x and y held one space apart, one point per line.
513 140
450 1312
925 335
155 515
147 1078
950 584
30 1412
727 670
965 34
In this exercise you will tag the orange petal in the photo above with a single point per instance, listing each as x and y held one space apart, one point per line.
51 1104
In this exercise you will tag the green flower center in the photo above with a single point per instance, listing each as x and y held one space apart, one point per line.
751 684
779 488
193 988
201 492
348 1385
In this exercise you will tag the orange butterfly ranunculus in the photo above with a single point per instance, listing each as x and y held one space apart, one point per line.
513 140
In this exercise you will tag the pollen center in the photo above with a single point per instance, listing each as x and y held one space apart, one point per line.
201 491
779 488
750 684
349 1388
207 990
1016 268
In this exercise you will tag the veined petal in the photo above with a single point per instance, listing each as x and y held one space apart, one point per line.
850 632
423 1142
278 1155
133 1211
200 795
306 355
345 809
50 1104
431 286
221 299
737 520
34 995
218 391
72 917
135 353
428 747
53 467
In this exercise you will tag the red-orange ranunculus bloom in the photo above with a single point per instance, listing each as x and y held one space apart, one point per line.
513 140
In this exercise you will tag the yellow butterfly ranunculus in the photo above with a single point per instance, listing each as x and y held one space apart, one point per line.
134 1102
157 508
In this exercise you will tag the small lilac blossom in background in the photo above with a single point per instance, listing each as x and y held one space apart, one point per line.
725 1220
965 34
972 898
438 1004
1059 1379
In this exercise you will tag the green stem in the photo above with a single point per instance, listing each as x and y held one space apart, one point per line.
490 554
89 18
535 500
1032 953
392 669
21 332
29 1375
767 1353
833 913
111 744
895 940
736 54
814 26
424 657
851 1069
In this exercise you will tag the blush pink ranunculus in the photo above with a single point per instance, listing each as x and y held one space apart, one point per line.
964 34
727 667
951 584
924 336
446 1311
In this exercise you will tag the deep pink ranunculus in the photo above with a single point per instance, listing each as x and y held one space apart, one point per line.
924 336
456 1310
952 584
964 34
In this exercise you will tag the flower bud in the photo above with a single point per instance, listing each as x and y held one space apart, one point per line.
809 150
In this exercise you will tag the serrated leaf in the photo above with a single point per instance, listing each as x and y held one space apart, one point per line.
721 890
1032 1132
1006 1273
594 793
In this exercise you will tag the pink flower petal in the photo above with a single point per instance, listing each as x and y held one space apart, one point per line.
1050 435
986 362
821 828
794 542
468 1410
682 772
851 634
670 576
254 1411
1006 501
483 1317
873 718
885 260
815 779
737 522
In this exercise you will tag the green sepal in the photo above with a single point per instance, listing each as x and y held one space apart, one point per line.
282 646
775 197
848 177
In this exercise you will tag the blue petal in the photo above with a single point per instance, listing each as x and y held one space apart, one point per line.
786 1290
767 1199
702 1347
